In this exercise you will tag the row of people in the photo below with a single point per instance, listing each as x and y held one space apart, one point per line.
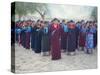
55 36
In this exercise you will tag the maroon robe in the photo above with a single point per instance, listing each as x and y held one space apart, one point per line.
82 39
27 40
55 42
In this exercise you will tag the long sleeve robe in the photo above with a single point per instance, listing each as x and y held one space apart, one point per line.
45 42
38 41
89 39
28 31
55 42
71 40
64 36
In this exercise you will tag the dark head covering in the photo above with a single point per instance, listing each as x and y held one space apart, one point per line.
71 21
71 24
38 20
63 20
55 19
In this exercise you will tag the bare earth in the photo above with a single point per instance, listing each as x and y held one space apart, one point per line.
27 61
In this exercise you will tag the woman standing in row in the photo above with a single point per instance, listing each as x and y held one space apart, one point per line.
64 35
89 38
72 38
55 34
45 41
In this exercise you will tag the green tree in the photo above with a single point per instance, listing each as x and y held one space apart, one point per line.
94 13
23 8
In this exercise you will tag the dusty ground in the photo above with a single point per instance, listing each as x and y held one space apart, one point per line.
28 61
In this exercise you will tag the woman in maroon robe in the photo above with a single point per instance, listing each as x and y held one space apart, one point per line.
55 39
82 37
28 31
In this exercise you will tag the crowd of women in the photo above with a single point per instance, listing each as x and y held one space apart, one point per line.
53 37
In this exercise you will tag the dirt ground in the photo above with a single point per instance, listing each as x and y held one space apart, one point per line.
27 61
